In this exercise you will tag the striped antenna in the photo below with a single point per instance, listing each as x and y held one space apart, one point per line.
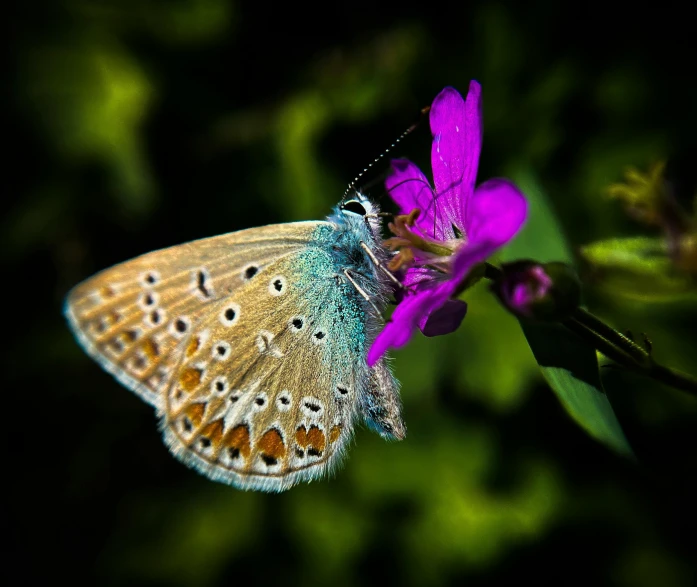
352 186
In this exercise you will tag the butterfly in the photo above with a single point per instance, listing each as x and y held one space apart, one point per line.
252 345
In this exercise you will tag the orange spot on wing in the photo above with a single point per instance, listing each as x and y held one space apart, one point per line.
271 444
238 439
214 432
301 437
194 343
151 349
190 379
334 433
314 438
107 292
195 413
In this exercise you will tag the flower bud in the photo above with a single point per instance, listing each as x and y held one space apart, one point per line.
542 291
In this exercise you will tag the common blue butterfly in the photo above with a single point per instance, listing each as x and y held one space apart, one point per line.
252 345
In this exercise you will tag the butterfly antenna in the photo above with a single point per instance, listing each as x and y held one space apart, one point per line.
352 186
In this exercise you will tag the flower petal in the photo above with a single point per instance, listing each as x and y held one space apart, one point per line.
410 189
466 258
497 211
408 186
416 309
456 125
416 275
399 328
443 320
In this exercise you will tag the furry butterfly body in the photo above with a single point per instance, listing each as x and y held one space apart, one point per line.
251 346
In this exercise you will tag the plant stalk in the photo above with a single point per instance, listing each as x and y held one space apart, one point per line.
616 346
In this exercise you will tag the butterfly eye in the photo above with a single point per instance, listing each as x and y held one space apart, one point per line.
355 207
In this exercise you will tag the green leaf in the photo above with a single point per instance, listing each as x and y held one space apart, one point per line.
569 365
638 268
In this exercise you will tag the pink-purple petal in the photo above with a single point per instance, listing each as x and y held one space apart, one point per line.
489 217
456 125
443 320
497 211
416 275
409 189
467 257
408 186
401 325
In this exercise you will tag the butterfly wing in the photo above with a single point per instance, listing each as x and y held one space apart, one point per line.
135 318
250 345
271 381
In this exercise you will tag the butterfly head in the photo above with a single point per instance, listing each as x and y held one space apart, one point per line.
360 212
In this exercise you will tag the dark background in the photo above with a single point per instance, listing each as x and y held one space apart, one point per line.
136 125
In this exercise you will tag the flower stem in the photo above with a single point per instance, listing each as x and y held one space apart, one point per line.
599 343
618 339
624 351
492 272
674 378
616 346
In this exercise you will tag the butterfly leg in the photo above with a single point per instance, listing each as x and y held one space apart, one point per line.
380 266
361 291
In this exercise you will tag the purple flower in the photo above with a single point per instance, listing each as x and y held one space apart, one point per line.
524 287
525 294
549 291
444 233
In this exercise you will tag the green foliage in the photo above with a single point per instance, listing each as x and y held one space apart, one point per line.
638 268
363 92
491 338
91 98
569 365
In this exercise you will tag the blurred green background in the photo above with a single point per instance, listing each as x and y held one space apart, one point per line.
137 125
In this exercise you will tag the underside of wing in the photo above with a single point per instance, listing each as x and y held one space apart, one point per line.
136 319
268 388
